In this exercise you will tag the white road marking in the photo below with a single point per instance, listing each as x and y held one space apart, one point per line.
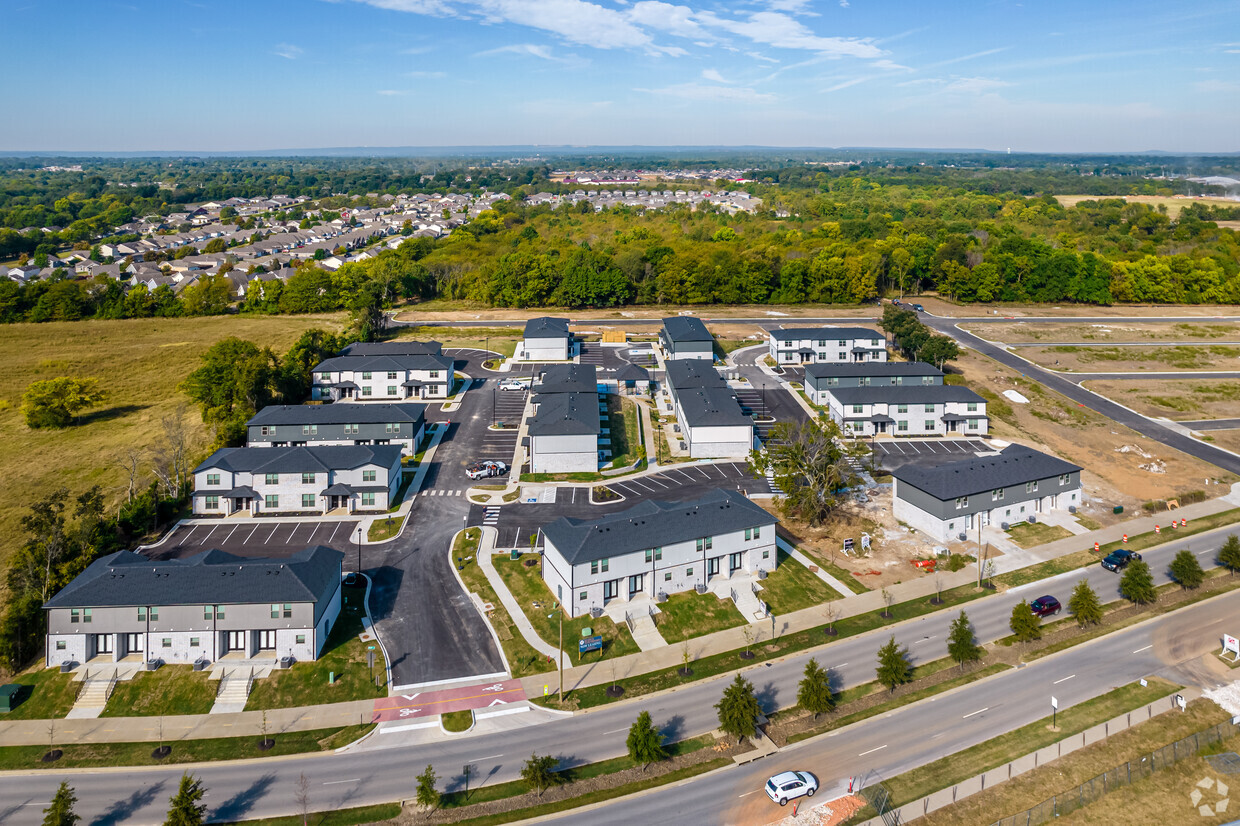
490 757
871 751
230 533
925 639
1064 679
273 533
1207 551
251 536
333 536
334 782
746 794
1139 650
971 713
617 731
841 665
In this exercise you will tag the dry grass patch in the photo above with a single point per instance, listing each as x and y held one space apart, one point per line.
1186 399
1173 204
1074 359
1029 332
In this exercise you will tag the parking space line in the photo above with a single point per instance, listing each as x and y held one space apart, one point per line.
273 533
332 538
230 533
251 536
208 536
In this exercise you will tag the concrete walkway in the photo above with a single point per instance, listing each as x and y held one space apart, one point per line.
814 568
486 549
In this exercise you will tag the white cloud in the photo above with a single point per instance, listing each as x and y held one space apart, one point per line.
781 31
843 4
974 85
530 49
963 58
287 51
793 6
417 50
391 92
698 91
575 20
889 65
713 75
757 56
675 20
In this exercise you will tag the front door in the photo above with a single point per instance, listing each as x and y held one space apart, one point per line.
103 644
234 641
133 643
734 563
610 589
636 584
712 566
266 640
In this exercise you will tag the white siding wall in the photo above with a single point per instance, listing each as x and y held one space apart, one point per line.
564 454
719 442
948 530
545 349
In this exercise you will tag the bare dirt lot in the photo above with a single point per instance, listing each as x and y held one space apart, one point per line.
1173 204
1187 399
1226 439
1122 467
1025 332
1066 357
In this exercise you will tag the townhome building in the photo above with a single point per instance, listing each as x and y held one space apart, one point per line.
400 423
654 549
546 339
308 480
400 347
209 606
908 410
382 378
711 421
947 501
814 345
564 429
822 377
686 337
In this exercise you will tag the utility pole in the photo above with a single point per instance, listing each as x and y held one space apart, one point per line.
561 653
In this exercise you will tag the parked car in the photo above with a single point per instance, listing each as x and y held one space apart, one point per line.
484 470
918 308
787 786
512 384
895 302
1118 560
1046 606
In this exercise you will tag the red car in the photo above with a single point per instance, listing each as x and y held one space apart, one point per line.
1045 606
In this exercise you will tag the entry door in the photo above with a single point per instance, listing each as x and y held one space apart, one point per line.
636 584
610 589
235 641
133 643
103 643
266 640
734 563
712 566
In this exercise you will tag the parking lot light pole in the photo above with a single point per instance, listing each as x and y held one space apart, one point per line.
560 613
359 549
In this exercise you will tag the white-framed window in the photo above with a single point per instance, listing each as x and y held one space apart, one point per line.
309 430
369 475
350 430
929 424
766 554
271 501
60 645
73 615
368 500
211 503
1031 487
271 478
667 577
393 427
194 642
391 375
996 495
753 533
213 478
1065 478
307 478
858 408
901 408
902 426
929 408
86 612
962 502
307 500
267 430
974 423
971 407
391 390
366 376
654 554
583 596
367 390
325 376
301 639
166 642
705 543
434 374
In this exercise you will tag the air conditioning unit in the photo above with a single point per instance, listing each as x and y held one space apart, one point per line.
287 661
153 664
1032 520
1003 525
1071 508
201 664
962 536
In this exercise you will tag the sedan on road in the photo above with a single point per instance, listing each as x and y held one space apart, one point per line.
787 786
1046 606
1118 560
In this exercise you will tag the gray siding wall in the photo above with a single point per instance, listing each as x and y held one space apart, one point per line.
334 434
691 350
564 454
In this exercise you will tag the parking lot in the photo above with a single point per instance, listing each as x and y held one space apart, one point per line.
694 478
769 402
502 406
251 538
890 453
641 354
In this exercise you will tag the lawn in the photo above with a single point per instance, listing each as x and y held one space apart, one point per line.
521 656
501 340
1148 540
382 530
173 689
51 694
692 614
153 355
334 817
625 423
1050 568
305 684
791 587
537 601
1029 535
457 721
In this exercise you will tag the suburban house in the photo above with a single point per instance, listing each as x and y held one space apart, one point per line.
813 345
712 424
907 410
204 607
397 423
685 337
819 378
383 378
947 500
546 339
307 480
564 430
655 548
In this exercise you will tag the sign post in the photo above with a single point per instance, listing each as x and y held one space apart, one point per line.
370 661
1231 644
1054 710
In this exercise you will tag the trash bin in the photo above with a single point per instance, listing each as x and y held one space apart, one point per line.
1117 509
516 554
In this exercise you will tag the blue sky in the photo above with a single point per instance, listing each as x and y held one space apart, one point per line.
1043 75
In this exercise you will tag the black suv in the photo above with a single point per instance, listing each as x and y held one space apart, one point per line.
1118 560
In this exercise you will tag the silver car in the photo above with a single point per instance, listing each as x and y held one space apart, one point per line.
787 786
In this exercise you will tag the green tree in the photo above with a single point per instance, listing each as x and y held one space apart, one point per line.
1026 626
187 808
938 350
539 773
738 709
1084 604
56 402
235 381
894 669
814 690
1186 570
1229 553
811 465
1137 583
428 795
61 813
645 743
961 644
215 245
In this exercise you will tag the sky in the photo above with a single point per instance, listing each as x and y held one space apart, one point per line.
216 75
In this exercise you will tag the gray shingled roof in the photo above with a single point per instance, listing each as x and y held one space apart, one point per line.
687 374
652 524
295 414
382 364
711 407
872 368
565 414
568 378
407 347
824 333
547 327
310 458
1015 465
686 328
904 394
212 577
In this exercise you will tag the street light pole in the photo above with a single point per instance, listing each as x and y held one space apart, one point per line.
359 549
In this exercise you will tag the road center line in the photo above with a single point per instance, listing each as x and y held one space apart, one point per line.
334 782
1063 680
489 757
1147 648
617 731
746 794
971 713
871 751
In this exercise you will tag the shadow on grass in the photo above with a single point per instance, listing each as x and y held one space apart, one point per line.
108 414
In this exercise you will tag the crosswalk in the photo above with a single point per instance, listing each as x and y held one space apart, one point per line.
491 516
441 492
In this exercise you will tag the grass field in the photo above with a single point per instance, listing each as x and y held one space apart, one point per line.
1029 535
624 422
501 340
1029 332
50 694
791 587
1069 358
692 614
1173 205
139 362
333 817
173 689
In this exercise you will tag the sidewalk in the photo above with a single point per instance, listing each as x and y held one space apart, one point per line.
485 549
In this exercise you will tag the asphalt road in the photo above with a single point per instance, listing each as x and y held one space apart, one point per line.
1212 424
384 770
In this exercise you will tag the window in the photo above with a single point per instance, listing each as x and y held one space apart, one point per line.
142 612
307 500
929 424
366 376
603 565
858 408
766 554
971 407
667 577
208 610
583 596
1031 487
391 375
705 544
1065 478
996 495
193 642
391 390
897 380
301 639
271 478
288 610
369 475
211 503
73 615
350 430
962 502
275 610
901 408
929 408
86 614
973 424
367 390
166 642
307 478
927 379
271 501
902 425
60 645
393 427
688 572
843 356
267 431
309 430
753 533
368 500
434 374
594 566
325 376
213 478
822 343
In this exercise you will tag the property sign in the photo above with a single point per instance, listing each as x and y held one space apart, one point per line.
1231 644
589 644
848 545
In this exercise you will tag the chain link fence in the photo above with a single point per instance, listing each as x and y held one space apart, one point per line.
1122 775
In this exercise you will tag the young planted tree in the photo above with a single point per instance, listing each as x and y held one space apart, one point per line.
645 743
961 645
814 690
1186 570
894 669
539 773
888 600
1084 604
60 812
428 795
301 796
1137 583
738 709
1026 626
1229 554
187 808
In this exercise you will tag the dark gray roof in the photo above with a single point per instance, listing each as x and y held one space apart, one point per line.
406 347
382 363
904 394
687 374
872 368
632 372
294 414
310 458
568 378
711 407
547 327
824 333
565 414
652 524
1015 465
212 577
685 328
